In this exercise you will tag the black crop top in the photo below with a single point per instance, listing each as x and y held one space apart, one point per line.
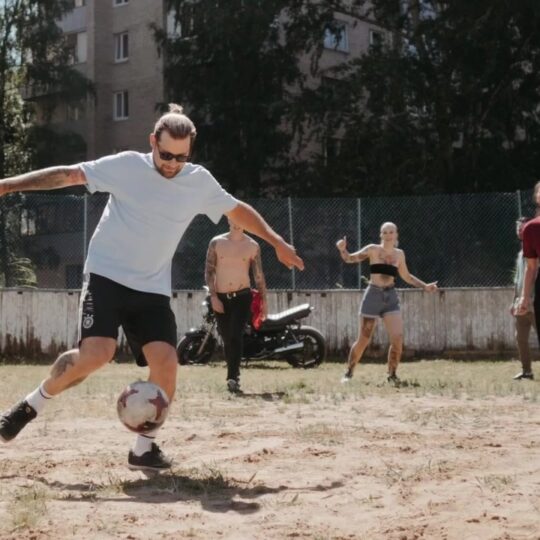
386 269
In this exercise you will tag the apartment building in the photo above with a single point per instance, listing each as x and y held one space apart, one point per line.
112 44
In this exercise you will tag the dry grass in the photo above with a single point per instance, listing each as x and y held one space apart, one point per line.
299 444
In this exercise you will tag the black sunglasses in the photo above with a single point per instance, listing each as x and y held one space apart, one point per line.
167 156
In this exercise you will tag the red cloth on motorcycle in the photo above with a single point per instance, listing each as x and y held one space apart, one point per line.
256 309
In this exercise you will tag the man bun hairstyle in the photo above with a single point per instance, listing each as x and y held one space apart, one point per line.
177 125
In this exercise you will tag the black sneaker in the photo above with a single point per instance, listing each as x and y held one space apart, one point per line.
524 375
347 377
233 386
393 379
153 460
12 421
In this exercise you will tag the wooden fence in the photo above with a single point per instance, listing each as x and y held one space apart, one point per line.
40 323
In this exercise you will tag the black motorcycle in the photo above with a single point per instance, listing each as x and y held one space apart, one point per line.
280 337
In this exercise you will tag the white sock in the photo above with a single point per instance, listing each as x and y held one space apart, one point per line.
143 443
38 398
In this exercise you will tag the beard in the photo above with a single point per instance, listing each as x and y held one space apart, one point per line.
167 171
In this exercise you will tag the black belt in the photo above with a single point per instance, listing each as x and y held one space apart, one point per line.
234 294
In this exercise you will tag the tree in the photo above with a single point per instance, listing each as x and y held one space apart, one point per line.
237 66
448 104
33 59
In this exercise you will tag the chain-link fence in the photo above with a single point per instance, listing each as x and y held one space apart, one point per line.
463 240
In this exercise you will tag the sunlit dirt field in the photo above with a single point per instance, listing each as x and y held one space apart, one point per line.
454 453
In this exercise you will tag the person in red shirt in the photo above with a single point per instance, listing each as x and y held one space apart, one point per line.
531 252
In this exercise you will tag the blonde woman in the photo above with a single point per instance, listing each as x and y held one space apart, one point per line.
380 298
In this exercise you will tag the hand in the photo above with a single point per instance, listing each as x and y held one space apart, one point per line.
512 310
286 255
342 244
522 306
217 304
431 287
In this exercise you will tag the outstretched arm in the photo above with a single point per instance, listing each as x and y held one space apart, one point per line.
210 276
260 282
413 280
51 178
356 257
249 219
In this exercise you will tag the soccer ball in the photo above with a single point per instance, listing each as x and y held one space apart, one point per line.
142 406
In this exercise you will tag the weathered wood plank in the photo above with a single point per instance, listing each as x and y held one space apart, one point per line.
34 323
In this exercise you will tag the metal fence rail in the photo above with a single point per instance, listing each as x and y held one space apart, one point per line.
461 240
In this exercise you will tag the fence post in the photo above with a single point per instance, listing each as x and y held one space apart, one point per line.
291 240
85 225
359 235
520 210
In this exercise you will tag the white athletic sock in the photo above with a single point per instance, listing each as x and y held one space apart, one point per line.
143 443
38 398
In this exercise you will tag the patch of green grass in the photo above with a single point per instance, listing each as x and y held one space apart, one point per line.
27 508
321 433
497 483
97 395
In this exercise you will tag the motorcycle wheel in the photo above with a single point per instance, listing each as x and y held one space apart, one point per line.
314 351
188 350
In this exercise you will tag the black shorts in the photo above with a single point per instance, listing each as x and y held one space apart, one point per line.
145 317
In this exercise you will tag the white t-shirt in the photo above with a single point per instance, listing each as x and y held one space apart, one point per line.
146 216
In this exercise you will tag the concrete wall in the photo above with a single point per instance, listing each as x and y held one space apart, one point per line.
37 323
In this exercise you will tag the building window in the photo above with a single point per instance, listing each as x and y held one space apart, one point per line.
336 37
74 112
174 27
121 105
121 47
120 2
28 222
76 47
376 38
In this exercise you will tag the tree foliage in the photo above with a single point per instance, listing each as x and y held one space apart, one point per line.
448 104
34 62
237 66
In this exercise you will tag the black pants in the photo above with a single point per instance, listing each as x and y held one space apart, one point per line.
231 328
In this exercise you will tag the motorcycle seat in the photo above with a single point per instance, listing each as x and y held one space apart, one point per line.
277 320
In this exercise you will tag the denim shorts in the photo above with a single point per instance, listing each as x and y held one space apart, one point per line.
379 301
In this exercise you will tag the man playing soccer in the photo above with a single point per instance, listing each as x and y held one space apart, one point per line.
152 200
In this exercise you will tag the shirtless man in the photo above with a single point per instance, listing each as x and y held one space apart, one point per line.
380 299
228 261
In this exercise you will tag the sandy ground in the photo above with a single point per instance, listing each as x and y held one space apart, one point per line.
259 467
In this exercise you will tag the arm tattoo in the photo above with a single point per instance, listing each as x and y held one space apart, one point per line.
51 178
210 267
258 274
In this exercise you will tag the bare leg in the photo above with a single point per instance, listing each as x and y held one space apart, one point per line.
73 366
394 326
163 364
69 369
365 331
